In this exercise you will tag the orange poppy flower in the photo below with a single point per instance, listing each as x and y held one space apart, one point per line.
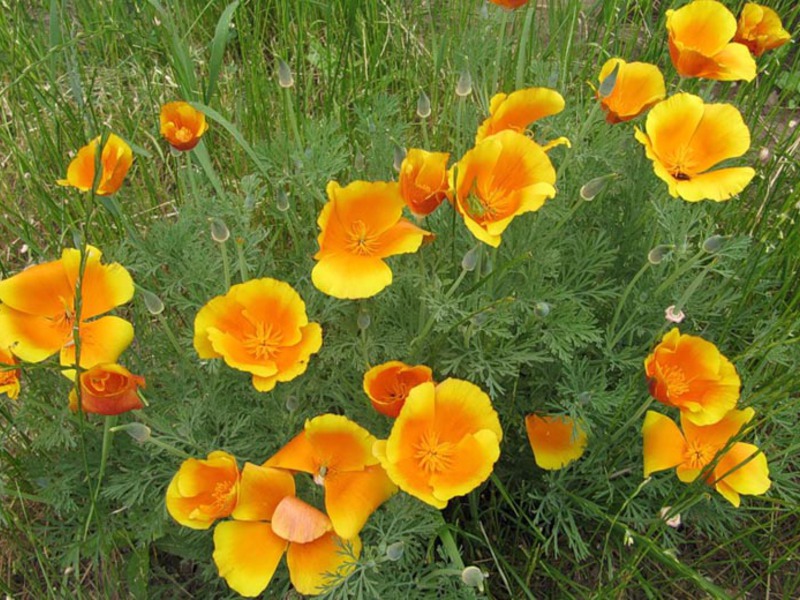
760 29
689 373
9 376
204 490
555 440
37 310
115 160
503 176
685 138
742 469
387 385
108 389
182 125
510 4
517 110
444 443
338 454
700 35
638 87
423 180
361 225
269 520
259 327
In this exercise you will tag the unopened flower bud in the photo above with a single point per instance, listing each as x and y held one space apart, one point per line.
473 577
285 77
592 188
674 521
292 403
282 200
359 161
464 85
152 303
764 155
423 106
395 551
219 231
657 254
713 244
470 260
541 309
138 431
399 157
363 320
672 315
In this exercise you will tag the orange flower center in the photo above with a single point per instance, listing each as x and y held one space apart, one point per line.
698 454
360 241
675 380
223 497
264 342
66 318
7 376
184 134
433 456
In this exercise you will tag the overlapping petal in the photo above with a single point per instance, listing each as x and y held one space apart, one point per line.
387 385
760 29
638 86
742 470
518 110
423 180
204 490
108 389
555 440
309 564
115 161
246 554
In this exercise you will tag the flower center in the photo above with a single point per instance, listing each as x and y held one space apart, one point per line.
223 496
481 209
264 342
433 456
675 380
184 134
698 454
360 241
680 175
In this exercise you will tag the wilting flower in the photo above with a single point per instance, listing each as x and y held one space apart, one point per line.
689 373
115 161
9 376
259 327
685 138
760 29
518 110
510 4
108 389
673 316
742 469
638 86
444 443
700 35
37 310
338 454
503 176
269 520
423 180
361 225
388 385
555 440
204 490
182 125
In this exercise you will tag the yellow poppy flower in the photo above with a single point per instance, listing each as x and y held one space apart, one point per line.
638 86
182 125
685 138
388 385
518 110
115 161
555 440
423 180
760 29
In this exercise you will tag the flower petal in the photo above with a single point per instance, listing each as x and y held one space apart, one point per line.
518 110
462 408
664 444
318 564
42 290
32 338
720 134
717 185
102 341
351 277
296 455
474 457
555 440
260 490
246 555
351 497
406 473
104 286
705 26
296 521
742 470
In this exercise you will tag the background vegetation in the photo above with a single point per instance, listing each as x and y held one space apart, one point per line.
75 69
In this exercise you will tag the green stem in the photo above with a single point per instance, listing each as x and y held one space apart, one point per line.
170 335
240 256
522 56
287 99
107 436
226 269
618 310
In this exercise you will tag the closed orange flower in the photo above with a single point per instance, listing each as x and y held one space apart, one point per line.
760 29
259 327
689 373
388 385
510 4
268 521
204 490
423 180
115 161
518 110
503 176
742 469
700 35
182 125
337 453
638 86
444 443
108 389
685 138
361 225
9 375
555 440
37 310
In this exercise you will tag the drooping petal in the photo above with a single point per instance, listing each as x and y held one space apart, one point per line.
351 277
760 29
556 441
742 470
664 444
518 110
351 497
474 458
298 522
311 565
717 185
261 489
246 554
102 341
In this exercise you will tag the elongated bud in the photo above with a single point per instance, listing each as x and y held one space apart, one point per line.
464 85
713 244
285 77
470 260
657 254
292 403
541 309
399 157
395 551
138 431
423 106
219 231
364 320
282 200
152 303
473 577
592 188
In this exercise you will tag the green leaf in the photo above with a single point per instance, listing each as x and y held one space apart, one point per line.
218 48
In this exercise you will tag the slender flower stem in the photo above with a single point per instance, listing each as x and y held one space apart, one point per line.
108 434
226 269
170 334
522 55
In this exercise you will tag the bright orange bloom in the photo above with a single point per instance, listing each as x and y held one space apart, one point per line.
423 180
517 110
203 491
700 35
387 385
108 389
361 225
638 87
760 29
338 453
182 125
444 443
116 159
510 4
555 440
503 176
742 469
259 327
9 377
270 520
37 310
689 373
685 138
